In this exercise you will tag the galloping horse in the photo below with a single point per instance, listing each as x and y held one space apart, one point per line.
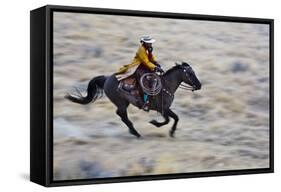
171 80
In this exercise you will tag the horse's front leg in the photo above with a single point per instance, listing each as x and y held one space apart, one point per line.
170 113
122 112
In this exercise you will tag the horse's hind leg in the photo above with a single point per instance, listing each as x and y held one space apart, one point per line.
170 113
160 124
122 112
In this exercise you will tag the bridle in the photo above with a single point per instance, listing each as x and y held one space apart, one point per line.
187 87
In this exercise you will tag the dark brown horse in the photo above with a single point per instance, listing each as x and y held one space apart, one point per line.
171 80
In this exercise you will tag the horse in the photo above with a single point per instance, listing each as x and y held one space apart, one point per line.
171 81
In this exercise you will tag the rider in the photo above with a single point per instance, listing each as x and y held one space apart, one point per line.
144 58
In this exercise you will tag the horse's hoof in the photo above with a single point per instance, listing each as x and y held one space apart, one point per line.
135 134
155 123
172 134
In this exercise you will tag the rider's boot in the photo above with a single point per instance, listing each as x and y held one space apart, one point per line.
145 106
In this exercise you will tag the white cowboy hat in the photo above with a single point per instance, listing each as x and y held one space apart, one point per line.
147 39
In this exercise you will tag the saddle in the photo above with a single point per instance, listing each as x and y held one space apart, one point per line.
129 86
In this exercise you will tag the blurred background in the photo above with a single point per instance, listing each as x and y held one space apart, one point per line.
224 126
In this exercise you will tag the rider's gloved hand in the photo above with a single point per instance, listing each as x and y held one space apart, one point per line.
159 69
156 63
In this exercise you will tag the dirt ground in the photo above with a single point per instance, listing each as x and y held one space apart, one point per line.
224 126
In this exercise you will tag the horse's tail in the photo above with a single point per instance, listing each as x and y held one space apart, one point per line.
94 91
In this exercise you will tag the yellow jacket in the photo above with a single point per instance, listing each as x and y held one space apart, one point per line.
140 58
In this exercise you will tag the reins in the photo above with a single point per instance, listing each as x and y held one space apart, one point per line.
186 87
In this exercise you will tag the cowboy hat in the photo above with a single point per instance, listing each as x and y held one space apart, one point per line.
147 39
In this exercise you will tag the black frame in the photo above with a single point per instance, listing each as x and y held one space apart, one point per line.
41 94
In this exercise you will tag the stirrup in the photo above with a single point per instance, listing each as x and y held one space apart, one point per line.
145 107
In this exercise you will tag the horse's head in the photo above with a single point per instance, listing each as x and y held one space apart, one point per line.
188 75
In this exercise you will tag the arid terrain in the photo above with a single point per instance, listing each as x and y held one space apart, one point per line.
223 126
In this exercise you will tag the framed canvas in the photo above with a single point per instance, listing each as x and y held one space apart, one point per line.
123 95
